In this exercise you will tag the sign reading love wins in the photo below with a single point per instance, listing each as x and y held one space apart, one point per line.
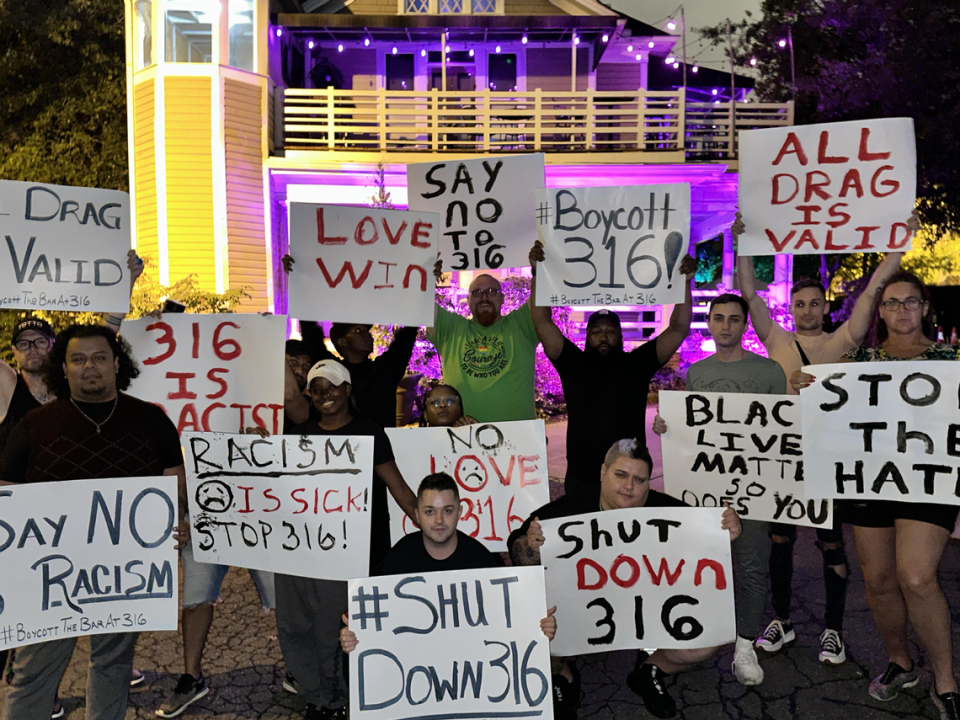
831 188
612 245
362 265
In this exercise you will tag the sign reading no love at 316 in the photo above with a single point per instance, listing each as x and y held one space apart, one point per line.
298 505
87 557
64 248
485 207
362 265
831 188
613 246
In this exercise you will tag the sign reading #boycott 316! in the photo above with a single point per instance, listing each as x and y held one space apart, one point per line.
613 245
65 248
831 188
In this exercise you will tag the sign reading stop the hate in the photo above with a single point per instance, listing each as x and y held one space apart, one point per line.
830 188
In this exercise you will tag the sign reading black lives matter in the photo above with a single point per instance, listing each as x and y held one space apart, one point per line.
457 644
739 448
484 206
65 248
297 505
641 577
613 245
87 557
883 431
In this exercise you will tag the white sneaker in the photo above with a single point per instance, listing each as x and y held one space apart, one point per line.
745 665
832 649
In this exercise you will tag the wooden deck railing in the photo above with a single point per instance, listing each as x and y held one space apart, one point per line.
498 122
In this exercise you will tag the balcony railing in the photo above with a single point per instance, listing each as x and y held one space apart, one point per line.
381 121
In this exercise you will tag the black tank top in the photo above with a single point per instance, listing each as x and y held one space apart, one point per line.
21 403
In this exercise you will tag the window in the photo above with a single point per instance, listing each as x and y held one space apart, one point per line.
143 51
189 30
400 72
241 34
484 6
416 6
451 6
502 72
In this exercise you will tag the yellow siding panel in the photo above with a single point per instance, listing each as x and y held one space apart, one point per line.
145 170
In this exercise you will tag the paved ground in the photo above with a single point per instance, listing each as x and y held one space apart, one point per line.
244 666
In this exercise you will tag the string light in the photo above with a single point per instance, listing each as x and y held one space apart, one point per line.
576 39
605 37
279 32
524 40
676 65
497 48
471 52
695 69
423 53
671 25
394 51
366 42
670 60
629 48
714 91
639 56
753 62
310 44
447 48
651 44
782 43
340 47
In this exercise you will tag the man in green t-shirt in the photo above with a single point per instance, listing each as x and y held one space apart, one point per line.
489 357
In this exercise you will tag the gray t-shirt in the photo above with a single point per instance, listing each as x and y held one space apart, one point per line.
753 374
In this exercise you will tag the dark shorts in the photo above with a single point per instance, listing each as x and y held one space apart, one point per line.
883 513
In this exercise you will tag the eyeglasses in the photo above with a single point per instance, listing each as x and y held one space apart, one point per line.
444 402
489 293
40 343
911 304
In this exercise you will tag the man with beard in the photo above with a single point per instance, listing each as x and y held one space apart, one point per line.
605 387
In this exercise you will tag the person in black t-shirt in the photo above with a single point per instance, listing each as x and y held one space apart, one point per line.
443 407
437 546
604 387
296 405
624 483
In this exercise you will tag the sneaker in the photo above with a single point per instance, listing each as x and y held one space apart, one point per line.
948 704
136 678
566 697
745 665
647 681
778 633
189 689
894 679
832 649
289 684
57 711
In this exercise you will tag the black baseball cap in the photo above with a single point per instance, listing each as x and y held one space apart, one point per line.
41 326
604 315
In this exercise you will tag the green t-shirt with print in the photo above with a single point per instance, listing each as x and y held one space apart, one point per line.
492 367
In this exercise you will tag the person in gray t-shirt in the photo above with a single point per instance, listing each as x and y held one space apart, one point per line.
735 369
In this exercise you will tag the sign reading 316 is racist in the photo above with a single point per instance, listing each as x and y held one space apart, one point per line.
613 245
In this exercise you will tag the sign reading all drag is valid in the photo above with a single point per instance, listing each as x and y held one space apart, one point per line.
64 248
612 245
457 644
87 557
298 505
739 448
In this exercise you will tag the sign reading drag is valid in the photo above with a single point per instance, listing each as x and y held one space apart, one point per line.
883 431
457 644
613 245
739 448
87 557
640 577
297 505
64 248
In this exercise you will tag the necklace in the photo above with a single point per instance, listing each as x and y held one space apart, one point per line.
98 425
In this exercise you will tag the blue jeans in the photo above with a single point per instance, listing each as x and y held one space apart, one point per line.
202 581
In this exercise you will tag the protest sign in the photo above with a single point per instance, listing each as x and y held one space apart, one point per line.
636 578
388 255
297 505
739 448
485 205
501 469
883 431
212 373
489 659
613 245
67 248
87 557
830 188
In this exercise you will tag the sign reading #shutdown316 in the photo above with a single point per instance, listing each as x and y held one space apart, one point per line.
883 431
65 248
501 469
739 448
643 577
614 245
87 557
445 645
831 188
362 265
298 505
484 206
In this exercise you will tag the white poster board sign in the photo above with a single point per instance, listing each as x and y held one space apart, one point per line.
739 448
636 578
883 431
500 468
297 505
831 188
87 557
485 207
64 248
437 645
211 373
613 245
362 265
